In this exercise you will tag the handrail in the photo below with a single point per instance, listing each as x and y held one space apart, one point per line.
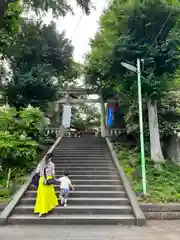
18 195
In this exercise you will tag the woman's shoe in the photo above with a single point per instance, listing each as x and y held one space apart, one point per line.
40 215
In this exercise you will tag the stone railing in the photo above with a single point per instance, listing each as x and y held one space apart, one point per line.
111 132
53 131
115 131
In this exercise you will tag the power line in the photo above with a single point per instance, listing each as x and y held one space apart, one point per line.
76 27
162 28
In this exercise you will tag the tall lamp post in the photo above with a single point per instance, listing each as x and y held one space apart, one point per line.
137 69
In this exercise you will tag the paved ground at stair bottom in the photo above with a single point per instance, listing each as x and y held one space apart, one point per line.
156 230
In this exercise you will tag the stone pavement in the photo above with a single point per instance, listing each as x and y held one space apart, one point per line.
155 230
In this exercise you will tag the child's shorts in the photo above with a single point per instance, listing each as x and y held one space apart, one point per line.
64 193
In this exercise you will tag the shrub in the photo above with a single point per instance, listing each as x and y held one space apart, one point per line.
16 151
32 122
19 135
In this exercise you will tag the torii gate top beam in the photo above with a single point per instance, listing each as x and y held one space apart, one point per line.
79 91
81 101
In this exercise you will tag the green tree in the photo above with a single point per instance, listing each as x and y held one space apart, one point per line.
38 56
138 29
9 27
58 7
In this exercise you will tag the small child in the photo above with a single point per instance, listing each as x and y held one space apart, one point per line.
65 185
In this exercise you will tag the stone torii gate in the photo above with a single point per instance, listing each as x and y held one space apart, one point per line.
75 96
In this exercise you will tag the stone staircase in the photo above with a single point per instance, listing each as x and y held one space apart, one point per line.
99 196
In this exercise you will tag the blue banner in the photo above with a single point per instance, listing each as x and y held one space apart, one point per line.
110 117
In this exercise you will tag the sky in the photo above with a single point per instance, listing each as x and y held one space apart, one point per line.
85 30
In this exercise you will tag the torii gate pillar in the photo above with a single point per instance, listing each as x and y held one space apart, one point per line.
103 118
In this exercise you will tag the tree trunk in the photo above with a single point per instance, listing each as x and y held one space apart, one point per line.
155 145
3 7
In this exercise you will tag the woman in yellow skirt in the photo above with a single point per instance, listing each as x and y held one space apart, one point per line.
46 199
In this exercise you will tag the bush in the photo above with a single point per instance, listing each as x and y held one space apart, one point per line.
32 122
7 118
19 135
16 151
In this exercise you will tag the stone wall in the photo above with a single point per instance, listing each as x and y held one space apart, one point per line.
166 211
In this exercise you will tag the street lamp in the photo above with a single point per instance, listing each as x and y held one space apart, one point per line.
138 71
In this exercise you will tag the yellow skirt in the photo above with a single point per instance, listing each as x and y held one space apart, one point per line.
46 198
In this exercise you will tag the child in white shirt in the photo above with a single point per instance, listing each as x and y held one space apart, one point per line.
65 185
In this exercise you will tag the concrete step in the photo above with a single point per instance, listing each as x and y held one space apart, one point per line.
84 201
65 219
83 140
79 152
86 157
82 148
72 151
59 171
79 149
85 194
91 187
87 172
79 161
82 159
91 177
85 168
82 155
71 160
86 209
82 143
97 182
62 167
90 144
89 164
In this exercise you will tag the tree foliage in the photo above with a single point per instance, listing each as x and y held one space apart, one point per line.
39 57
147 30
58 8
9 27
133 34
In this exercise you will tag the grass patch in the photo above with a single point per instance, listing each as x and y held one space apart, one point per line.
163 186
